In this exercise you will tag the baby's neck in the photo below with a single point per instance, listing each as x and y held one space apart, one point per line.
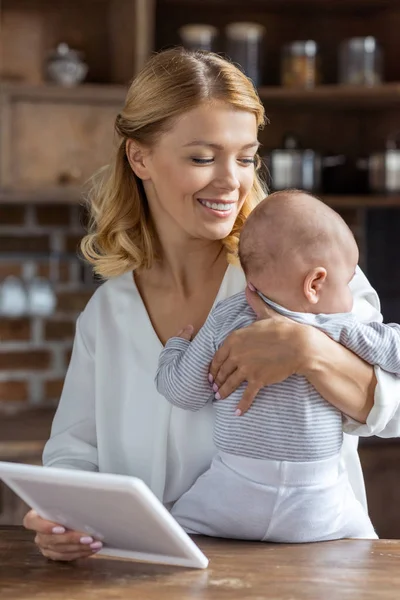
292 304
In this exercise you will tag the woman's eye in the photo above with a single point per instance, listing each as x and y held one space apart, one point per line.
202 161
248 161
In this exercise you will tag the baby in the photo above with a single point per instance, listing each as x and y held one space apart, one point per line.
277 474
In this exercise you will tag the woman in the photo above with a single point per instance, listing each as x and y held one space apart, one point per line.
166 217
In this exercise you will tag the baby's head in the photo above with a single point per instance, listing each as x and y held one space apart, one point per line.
299 253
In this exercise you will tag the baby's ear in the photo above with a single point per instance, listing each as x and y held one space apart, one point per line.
313 284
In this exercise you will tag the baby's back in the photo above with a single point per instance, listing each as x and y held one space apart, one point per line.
287 421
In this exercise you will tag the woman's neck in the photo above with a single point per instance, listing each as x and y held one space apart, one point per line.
184 267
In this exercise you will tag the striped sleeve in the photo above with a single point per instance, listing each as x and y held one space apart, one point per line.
183 367
376 343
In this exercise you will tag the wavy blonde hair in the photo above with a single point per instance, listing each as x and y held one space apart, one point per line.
121 234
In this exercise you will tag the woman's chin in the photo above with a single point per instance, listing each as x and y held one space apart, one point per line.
218 231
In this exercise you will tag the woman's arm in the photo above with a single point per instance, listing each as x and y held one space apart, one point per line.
340 376
73 441
274 348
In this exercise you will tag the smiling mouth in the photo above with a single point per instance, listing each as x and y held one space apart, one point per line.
220 206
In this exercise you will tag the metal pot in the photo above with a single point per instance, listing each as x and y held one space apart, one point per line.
384 167
292 167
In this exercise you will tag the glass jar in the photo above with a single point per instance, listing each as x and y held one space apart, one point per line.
198 36
299 66
360 61
244 47
66 66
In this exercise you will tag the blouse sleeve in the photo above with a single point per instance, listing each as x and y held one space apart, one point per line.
73 442
384 417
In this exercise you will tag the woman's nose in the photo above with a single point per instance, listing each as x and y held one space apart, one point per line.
227 178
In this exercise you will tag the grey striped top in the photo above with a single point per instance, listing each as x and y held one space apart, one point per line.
288 420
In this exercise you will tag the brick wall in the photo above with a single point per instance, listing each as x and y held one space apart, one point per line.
35 351
41 241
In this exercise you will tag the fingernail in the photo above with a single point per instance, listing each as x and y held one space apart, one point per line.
215 387
86 540
238 412
251 286
218 396
210 378
58 530
96 545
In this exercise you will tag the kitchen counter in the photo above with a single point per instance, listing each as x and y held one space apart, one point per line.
339 570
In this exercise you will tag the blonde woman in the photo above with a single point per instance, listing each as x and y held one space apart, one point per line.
166 217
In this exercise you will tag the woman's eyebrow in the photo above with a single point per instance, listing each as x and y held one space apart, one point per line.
254 144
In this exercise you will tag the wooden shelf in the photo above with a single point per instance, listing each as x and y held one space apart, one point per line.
323 96
300 5
365 201
48 196
108 94
333 96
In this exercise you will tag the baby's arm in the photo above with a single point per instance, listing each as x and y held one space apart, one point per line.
376 343
183 367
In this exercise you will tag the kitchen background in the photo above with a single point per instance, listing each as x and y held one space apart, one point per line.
329 76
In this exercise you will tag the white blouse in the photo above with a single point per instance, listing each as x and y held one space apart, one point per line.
112 419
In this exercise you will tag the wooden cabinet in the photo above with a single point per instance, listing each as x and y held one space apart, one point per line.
54 140
115 37
380 461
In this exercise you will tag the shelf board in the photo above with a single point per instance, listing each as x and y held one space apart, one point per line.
46 196
362 201
300 5
323 96
333 96
96 93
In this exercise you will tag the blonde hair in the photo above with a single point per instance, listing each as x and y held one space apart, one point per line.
121 234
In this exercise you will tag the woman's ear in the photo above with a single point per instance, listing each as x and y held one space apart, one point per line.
136 155
313 284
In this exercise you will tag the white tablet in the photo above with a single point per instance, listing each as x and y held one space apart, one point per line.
120 511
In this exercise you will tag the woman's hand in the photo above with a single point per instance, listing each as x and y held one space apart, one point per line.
56 543
266 352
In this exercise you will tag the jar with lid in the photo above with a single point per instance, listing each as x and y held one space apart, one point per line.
360 61
198 36
65 66
299 67
245 47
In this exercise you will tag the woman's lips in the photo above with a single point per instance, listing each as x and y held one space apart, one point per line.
220 208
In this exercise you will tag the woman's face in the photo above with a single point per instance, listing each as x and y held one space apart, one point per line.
199 173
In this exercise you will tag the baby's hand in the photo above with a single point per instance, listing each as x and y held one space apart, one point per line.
186 333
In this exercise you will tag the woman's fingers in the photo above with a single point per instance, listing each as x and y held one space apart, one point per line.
247 399
231 384
219 358
33 522
64 557
71 538
226 370
53 547
57 543
64 548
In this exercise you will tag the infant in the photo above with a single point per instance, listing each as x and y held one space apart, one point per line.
277 474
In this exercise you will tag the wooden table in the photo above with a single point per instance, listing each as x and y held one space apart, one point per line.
342 570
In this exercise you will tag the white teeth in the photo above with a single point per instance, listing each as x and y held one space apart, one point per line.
217 205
